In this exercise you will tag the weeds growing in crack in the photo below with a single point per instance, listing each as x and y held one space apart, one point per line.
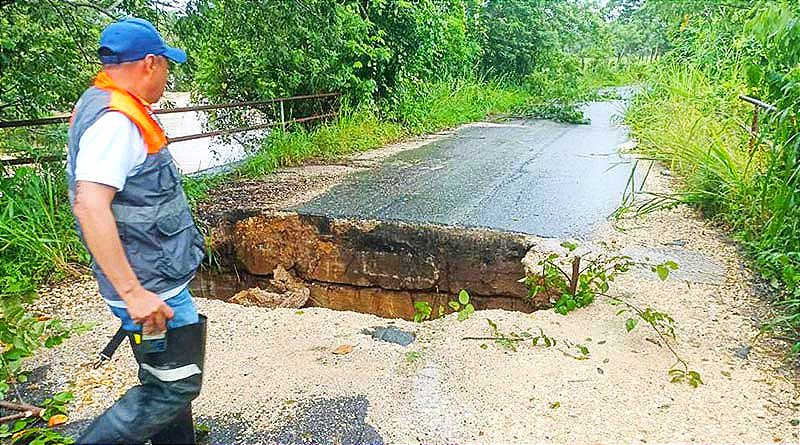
577 281
574 281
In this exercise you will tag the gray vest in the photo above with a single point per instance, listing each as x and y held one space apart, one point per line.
153 217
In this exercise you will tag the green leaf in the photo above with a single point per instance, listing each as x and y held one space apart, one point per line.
454 305
63 397
694 379
569 246
463 297
630 324
663 272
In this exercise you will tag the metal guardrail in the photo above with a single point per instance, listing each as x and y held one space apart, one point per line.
62 118
254 127
248 104
757 105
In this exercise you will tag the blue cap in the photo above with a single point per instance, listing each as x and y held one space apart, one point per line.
133 39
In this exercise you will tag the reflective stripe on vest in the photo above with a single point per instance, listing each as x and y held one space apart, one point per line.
144 214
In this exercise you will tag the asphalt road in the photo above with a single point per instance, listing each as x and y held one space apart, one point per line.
532 176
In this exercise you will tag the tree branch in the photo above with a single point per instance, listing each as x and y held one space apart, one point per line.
35 410
639 312
90 6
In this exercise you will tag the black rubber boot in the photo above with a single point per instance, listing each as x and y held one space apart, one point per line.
181 431
170 381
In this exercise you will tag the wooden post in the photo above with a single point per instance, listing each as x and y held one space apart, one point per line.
576 273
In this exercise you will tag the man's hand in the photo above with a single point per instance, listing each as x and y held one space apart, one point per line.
150 311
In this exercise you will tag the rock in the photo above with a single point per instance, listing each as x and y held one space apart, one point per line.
284 281
400 304
281 275
391 334
295 298
742 352
693 266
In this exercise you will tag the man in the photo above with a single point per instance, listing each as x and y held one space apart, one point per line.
133 217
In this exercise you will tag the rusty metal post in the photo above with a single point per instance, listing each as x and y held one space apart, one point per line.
753 130
754 125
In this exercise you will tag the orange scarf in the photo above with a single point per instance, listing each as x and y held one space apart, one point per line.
136 109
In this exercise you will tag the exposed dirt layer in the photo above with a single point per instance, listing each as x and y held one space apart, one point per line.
284 374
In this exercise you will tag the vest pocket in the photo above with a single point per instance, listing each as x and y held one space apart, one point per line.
181 246
168 176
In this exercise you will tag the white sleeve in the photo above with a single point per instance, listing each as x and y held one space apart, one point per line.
109 151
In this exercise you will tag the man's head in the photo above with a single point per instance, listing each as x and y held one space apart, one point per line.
135 56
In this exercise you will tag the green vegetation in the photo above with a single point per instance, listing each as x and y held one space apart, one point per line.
404 68
690 118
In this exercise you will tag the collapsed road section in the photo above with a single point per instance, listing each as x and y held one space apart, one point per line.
283 259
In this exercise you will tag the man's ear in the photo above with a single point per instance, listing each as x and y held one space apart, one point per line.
150 63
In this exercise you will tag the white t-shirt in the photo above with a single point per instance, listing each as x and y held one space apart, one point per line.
111 150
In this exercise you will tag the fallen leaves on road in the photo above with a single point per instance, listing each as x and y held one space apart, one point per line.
57 419
343 349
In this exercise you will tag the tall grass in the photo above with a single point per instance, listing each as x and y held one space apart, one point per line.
352 131
697 126
37 237
432 107
684 120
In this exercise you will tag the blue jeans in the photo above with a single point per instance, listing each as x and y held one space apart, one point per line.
182 304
